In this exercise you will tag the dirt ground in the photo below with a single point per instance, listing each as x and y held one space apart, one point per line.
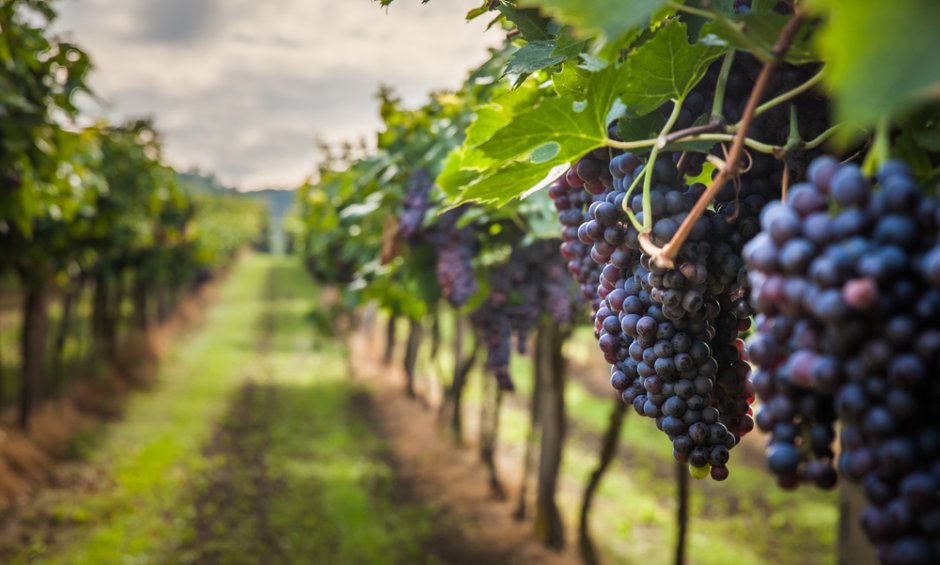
431 469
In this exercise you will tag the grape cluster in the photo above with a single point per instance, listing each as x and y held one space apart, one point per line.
670 335
416 204
686 348
455 266
845 282
531 283
455 246
572 195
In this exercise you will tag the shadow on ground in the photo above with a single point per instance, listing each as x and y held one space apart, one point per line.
300 474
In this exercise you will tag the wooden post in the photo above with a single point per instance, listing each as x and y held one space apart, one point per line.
35 329
532 436
72 293
609 447
452 406
140 295
682 515
389 340
411 356
489 433
548 525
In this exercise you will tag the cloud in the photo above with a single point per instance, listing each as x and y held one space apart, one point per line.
243 88
177 21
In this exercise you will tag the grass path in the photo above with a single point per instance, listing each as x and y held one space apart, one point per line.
250 450
257 447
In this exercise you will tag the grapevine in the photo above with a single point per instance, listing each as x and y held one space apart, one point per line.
675 265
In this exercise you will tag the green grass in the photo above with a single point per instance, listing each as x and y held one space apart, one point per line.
333 496
155 451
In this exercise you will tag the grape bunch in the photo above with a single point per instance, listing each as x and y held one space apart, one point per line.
416 204
456 247
532 282
670 336
573 195
846 283
686 348
455 267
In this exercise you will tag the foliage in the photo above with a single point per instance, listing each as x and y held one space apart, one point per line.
591 62
344 221
39 75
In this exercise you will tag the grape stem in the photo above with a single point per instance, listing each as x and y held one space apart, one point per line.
711 127
793 139
747 141
707 14
665 256
791 94
685 135
718 103
823 137
648 170
626 207
716 131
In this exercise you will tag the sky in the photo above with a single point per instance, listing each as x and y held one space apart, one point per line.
244 88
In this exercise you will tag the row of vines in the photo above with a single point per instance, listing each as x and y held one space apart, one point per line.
88 209
740 197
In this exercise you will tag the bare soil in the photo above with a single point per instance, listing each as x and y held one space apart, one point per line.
473 527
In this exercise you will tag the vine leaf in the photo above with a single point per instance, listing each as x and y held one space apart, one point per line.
527 151
532 25
643 127
534 56
882 58
571 81
478 11
509 182
500 112
613 18
538 139
555 120
462 167
567 46
758 33
666 67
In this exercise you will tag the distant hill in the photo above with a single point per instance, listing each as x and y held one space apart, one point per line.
279 201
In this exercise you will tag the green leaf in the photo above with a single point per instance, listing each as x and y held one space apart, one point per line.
882 55
643 127
763 6
666 67
462 167
928 139
572 81
612 18
567 46
535 143
555 120
534 56
532 25
477 12
758 33
499 112
910 150
509 182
